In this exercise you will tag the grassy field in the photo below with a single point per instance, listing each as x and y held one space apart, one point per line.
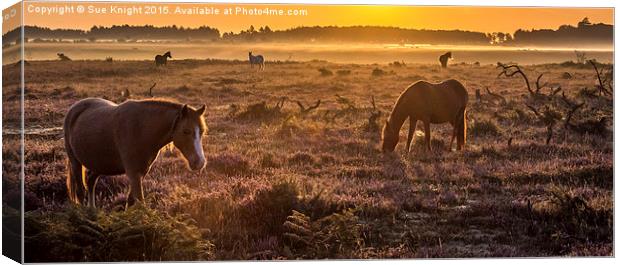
282 183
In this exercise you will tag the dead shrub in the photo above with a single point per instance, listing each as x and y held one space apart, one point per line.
484 128
259 112
270 207
343 72
325 72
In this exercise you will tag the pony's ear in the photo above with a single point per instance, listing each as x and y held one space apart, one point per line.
201 110
185 110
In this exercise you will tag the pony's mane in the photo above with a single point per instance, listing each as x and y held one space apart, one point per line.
164 102
170 104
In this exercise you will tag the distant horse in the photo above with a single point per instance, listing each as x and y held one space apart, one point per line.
443 59
63 57
110 139
162 59
430 103
258 59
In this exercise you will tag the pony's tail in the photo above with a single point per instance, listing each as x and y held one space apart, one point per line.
462 134
75 178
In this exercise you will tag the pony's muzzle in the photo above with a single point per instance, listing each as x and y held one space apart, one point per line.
197 164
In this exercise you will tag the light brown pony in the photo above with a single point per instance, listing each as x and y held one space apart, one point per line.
110 139
429 103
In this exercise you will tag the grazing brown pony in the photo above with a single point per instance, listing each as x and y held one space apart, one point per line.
429 103
110 139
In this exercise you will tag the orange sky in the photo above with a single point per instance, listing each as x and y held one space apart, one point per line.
484 19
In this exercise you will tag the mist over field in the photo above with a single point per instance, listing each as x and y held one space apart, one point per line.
347 44
354 53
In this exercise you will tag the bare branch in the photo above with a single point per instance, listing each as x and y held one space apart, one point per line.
555 91
538 86
569 103
281 102
570 113
151 90
303 110
345 101
516 70
549 134
601 84
534 110
502 98
372 101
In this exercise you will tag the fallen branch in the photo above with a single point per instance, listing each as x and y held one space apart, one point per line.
495 95
280 103
375 114
555 91
548 117
534 110
569 103
303 110
345 101
538 86
151 90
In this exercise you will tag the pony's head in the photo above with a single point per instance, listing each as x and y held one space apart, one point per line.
449 54
167 54
187 136
250 53
389 138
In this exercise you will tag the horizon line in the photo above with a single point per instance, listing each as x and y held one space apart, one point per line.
295 27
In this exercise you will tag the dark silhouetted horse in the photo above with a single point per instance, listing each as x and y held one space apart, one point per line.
162 59
443 59
258 59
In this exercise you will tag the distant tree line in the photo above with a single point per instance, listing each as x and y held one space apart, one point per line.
364 34
583 33
119 33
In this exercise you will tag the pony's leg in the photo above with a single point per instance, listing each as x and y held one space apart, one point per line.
454 133
461 131
460 139
427 134
412 124
135 188
91 182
